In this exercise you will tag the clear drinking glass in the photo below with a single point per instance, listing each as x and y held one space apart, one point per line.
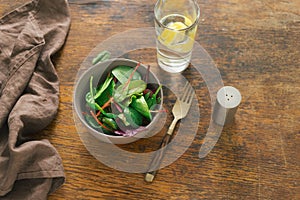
176 26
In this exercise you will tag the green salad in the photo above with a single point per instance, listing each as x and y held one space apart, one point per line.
123 104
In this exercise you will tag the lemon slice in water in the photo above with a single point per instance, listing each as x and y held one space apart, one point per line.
172 35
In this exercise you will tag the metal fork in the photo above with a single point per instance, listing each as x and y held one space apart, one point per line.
179 111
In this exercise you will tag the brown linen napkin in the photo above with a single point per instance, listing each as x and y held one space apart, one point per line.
29 88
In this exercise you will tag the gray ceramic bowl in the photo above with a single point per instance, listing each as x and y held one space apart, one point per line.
100 72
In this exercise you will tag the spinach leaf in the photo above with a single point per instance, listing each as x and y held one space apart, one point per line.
123 119
120 93
133 117
91 102
122 73
106 94
151 101
110 123
89 96
128 101
91 121
103 87
109 115
141 106
134 88
147 95
102 56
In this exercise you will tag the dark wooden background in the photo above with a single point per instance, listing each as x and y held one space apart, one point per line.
255 45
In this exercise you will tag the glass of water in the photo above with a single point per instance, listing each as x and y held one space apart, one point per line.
176 26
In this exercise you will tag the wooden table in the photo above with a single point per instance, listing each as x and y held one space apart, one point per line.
255 45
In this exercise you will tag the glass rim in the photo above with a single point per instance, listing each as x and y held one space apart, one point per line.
183 29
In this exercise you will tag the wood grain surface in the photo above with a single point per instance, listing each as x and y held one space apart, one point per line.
255 45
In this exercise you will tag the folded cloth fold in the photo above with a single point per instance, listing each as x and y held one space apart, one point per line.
29 89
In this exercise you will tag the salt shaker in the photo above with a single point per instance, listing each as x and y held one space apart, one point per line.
227 102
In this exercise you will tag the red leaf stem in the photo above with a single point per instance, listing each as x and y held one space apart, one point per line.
97 120
131 75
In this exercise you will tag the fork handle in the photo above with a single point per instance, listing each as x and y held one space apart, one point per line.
172 126
158 156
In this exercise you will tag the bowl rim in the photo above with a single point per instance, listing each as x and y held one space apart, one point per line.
111 61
